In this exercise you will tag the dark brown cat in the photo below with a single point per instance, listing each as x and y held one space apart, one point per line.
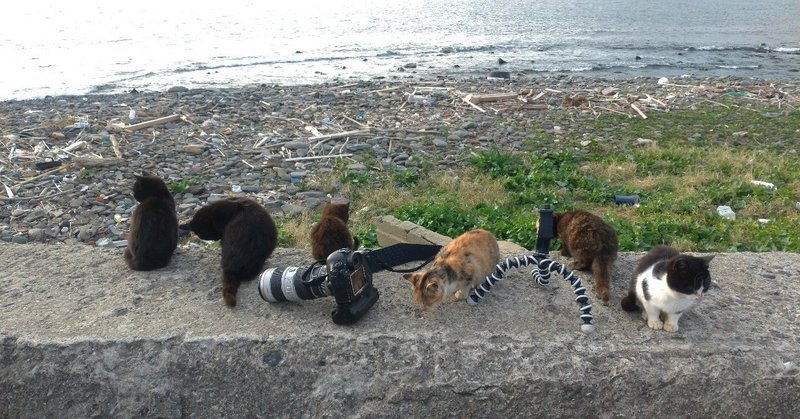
331 232
666 284
460 266
248 236
592 243
153 235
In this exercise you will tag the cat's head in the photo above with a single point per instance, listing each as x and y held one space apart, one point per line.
689 274
209 222
147 186
338 210
427 287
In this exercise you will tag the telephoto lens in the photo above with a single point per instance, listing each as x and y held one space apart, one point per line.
293 283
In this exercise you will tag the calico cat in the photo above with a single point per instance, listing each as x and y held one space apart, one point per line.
153 235
331 233
248 236
666 284
592 243
462 265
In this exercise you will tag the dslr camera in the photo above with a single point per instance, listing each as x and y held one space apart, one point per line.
346 275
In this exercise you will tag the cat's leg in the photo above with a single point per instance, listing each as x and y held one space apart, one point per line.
671 321
653 313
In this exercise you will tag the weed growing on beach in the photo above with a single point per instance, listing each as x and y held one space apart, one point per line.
182 185
700 158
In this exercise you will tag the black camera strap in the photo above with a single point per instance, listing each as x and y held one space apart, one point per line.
387 258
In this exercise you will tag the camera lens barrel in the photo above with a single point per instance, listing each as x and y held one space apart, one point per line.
278 285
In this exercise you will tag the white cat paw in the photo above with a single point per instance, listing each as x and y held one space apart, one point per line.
669 327
655 324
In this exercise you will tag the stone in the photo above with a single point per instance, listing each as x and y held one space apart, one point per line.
58 136
609 91
19 239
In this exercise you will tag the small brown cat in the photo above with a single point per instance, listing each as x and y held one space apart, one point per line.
666 284
331 232
248 236
591 242
462 265
153 235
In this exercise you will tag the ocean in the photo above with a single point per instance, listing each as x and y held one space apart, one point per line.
52 47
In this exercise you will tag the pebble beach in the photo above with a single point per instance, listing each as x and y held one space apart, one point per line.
67 163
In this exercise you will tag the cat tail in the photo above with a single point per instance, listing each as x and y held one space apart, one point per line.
628 302
601 271
230 287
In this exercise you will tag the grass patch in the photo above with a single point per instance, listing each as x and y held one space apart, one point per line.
702 158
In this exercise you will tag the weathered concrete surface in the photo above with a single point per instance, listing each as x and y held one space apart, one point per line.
82 336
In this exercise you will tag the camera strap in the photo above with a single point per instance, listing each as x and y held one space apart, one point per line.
387 258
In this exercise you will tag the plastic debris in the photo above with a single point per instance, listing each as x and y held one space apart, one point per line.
767 185
626 200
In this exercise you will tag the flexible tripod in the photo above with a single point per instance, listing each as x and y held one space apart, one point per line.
544 267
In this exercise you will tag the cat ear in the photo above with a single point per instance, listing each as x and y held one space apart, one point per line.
707 259
410 278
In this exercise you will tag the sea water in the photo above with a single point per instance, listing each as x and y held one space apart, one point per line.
50 47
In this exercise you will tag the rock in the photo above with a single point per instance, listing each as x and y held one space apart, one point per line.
86 232
504 75
194 149
447 50
177 89
58 136
609 91
36 234
438 142
19 239
501 61
644 142
292 210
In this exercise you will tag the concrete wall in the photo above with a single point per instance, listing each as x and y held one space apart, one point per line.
82 336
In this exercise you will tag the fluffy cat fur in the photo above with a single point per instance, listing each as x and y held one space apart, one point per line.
591 243
153 235
331 232
248 236
666 284
462 265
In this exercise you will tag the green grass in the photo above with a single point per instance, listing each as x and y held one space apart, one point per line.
702 157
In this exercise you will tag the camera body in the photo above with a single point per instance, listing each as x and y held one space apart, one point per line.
350 283
346 275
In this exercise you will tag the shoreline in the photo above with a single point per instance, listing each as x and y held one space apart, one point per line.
262 140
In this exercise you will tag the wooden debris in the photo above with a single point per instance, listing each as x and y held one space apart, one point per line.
639 111
489 97
152 122
329 156
472 104
356 133
115 146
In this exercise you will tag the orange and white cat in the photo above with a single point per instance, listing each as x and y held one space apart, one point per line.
462 266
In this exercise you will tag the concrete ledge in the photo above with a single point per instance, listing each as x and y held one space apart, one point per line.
390 231
82 336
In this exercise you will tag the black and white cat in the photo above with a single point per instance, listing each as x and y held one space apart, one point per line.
666 284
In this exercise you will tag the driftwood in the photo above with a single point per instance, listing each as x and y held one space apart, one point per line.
472 104
152 122
356 133
489 97
639 111
329 156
